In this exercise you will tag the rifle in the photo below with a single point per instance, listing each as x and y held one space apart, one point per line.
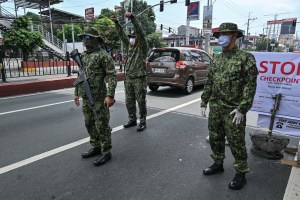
83 78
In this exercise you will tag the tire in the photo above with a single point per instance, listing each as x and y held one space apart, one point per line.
189 86
153 88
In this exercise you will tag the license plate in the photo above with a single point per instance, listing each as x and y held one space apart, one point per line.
159 70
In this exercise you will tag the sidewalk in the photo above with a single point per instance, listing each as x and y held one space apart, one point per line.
33 84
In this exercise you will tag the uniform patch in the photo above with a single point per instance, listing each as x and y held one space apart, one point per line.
253 71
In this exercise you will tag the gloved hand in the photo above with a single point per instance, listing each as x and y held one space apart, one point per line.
203 111
238 117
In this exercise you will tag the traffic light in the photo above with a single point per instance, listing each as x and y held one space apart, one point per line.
173 1
161 6
294 22
187 2
169 29
161 27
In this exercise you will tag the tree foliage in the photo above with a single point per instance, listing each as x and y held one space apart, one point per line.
261 45
107 28
21 36
154 40
107 31
68 33
146 18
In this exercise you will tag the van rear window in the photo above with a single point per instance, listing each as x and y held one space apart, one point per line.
164 56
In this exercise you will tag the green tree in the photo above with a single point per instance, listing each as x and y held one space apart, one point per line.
21 36
154 41
33 17
108 32
146 18
68 33
261 45
106 13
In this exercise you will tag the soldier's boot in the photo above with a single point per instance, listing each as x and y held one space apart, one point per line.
238 182
102 159
141 126
130 123
214 169
92 152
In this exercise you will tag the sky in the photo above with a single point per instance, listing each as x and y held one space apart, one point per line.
174 15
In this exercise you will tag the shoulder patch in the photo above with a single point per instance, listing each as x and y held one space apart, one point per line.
253 71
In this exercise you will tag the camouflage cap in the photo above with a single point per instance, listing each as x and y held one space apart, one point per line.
228 27
91 31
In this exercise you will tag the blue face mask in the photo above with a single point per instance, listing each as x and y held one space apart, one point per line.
224 40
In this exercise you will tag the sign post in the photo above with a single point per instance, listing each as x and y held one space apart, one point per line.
89 14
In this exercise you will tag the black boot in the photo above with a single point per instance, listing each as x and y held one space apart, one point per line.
102 159
141 126
238 182
214 169
130 123
92 152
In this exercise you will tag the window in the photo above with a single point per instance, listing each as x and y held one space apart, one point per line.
164 56
186 56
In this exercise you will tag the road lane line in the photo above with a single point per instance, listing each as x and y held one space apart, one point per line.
36 107
34 94
79 142
42 106
40 93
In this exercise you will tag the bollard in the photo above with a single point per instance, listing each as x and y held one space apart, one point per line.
68 63
2 71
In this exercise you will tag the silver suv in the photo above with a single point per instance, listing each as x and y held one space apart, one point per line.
181 67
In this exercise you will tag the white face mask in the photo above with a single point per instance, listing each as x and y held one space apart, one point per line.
224 40
132 41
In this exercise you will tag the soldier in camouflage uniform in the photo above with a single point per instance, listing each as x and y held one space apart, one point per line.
135 77
98 64
229 90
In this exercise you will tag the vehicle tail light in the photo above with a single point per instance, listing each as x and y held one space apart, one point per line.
180 65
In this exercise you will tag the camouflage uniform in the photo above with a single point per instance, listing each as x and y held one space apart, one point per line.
98 65
231 84
135 77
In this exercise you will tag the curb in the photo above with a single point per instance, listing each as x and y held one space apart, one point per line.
26 87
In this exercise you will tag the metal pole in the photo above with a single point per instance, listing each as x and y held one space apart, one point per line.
24 7
64 38
73 37
276 105
50 17
16 9
207 35
68 63
187 33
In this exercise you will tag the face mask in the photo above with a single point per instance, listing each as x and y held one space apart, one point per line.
131 41
224 40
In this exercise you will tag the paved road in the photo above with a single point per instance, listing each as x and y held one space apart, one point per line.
42 136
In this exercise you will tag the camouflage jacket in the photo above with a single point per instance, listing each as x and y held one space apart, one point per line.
231 81
98 64
136 55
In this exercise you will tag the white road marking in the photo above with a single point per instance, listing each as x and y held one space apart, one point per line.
42 106
79 142
34 94
36 107
40 93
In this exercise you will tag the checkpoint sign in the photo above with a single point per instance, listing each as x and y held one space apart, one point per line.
89 14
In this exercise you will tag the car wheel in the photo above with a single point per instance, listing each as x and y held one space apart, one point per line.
153 87
189 86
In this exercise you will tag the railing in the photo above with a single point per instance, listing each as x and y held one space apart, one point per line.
51 38
37 65
6 14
